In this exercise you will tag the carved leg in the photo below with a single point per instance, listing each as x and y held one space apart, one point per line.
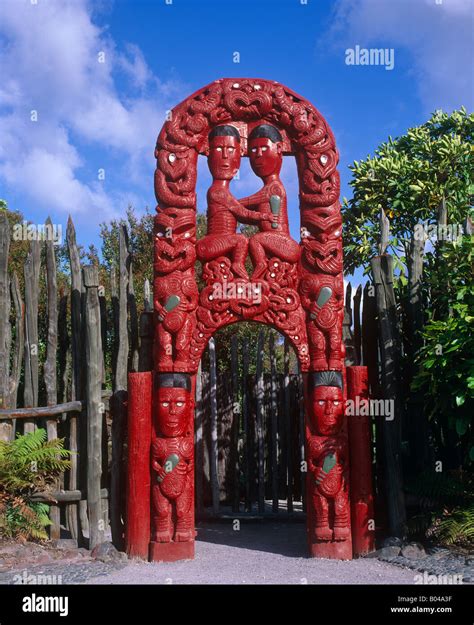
162 522
239 256
258 256
183 339
322 531
341 516
184 513
317 348
335 344
165 348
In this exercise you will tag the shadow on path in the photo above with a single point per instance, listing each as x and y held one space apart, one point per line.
286 539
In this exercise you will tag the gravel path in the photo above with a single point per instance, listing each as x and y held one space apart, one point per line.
259 553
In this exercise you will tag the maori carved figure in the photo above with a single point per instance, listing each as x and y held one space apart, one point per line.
265 149
322 296
327 458
175 297
175 240
172 460
224 211
296 288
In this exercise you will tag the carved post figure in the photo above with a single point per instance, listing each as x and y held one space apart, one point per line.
175 296
224 211
327 457
322 296
172 460
265 152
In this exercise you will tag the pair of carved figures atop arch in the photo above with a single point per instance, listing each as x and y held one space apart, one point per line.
297 288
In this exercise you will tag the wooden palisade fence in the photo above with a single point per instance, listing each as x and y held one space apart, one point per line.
249 428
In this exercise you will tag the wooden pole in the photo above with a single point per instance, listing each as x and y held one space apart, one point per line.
119 398
72 511
93 363
6 428
235 423
132 307
41 413
357 329
214 450
382 270
301 438
347 336
260 393
32 273
139 475
19 339
50 380
289 437
245 423
274 424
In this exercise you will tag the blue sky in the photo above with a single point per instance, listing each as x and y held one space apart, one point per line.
105 116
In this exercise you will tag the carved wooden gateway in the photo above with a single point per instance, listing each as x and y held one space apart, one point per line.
296 288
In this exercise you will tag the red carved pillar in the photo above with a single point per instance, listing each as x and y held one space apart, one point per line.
137 536
327 479
362 504
172 466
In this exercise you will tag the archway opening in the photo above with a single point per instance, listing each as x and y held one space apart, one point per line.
249 427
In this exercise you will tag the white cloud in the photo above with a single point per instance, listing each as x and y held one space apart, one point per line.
50 56
439 38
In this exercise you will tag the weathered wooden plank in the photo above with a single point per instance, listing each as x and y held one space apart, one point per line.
103 328
118 404
6 429
245 423
347 337
274 423
357 336
115 321
32 274
42 412
145 353
260 393
68 496
93 363
301 439
289 437
72 511
132 307
52 340
235 423
382 271
19 339
64 351
213 460
49 372
147 299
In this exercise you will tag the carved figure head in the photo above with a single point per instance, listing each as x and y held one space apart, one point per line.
265 150
173 403
327 402
224 152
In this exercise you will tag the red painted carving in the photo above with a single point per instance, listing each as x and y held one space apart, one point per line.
172 460
327 458
295 287
137 526
362 501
